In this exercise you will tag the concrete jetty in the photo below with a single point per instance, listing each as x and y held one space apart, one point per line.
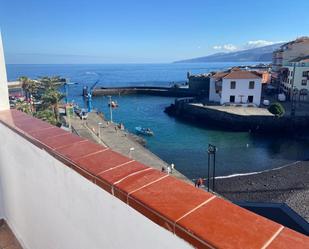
235 118
118 140
148 90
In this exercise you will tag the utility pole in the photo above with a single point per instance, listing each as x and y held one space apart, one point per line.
110 108
212 149
292 92
99 129
66 90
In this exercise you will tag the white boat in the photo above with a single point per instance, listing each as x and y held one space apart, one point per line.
113 104
144 131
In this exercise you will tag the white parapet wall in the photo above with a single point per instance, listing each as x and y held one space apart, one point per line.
4 98
50 206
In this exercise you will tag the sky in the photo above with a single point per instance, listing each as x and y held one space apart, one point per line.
143 31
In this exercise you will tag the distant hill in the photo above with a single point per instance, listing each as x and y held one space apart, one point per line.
255 54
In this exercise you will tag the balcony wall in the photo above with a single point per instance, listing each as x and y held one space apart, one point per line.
61 191
50 206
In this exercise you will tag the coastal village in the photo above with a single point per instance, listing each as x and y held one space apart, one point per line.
253 97
263 98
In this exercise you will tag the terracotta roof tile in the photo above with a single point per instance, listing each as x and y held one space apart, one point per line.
287 239
170 198
241 75
102 161
79 150
225 225
135 182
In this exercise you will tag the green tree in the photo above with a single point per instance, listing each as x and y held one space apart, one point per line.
47 83
276 109
50 100
23 106
47 115
29 86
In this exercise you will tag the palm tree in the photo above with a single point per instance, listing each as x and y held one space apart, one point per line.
50 100
50 82
29 86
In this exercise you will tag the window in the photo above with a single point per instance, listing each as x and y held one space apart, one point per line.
250 99
291 73
251 85
233 84
305 74
304 82
232 99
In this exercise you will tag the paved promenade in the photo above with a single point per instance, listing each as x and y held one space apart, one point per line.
118 140
238 110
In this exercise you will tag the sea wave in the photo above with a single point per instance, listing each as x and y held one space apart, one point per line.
258 172
91 73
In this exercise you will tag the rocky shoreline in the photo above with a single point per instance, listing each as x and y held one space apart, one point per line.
288 184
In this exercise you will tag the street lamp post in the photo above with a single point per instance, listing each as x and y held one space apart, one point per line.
212 149
110 108
292 92
99 129
131 151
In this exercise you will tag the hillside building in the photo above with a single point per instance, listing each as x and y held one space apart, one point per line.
290 51
295 78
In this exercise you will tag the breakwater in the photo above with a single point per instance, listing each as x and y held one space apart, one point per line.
147 90
218 118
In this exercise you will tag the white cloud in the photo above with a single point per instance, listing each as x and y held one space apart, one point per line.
260 43
230 47
226 47
250 44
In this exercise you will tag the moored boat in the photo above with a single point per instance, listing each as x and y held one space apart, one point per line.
113 104
144 131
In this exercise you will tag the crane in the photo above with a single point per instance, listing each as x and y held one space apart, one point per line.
89 95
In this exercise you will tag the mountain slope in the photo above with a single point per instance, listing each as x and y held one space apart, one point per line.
255 54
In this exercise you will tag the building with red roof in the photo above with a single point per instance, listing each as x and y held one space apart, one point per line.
236 86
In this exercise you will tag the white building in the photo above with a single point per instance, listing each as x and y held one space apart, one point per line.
295 77
4 105
290 51
236 86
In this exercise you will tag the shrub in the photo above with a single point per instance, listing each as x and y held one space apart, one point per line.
276 109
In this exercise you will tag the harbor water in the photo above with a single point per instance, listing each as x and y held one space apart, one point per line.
175 141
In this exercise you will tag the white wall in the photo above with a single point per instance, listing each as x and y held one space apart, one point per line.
298 77
50 206
242 88
213 96
4 98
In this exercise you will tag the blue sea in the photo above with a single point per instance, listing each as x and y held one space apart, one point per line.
175 141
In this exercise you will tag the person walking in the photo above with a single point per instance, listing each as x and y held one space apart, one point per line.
198 183
172 168
168 169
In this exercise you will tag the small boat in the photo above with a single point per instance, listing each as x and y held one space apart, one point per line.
144 131
113 104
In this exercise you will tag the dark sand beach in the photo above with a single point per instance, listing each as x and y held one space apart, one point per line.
288 184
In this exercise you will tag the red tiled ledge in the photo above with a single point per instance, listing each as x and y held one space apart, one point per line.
202 219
